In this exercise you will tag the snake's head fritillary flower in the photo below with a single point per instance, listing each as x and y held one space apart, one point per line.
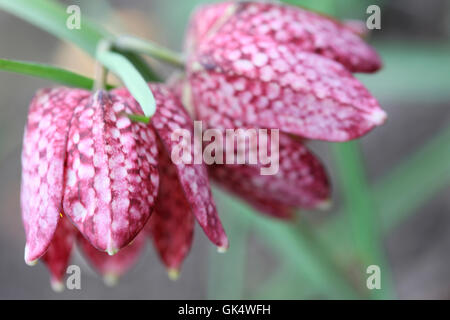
90 173
185 184
83 158
277 66
274 66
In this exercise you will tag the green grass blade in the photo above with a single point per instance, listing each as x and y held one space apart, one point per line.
151 49
362 216
48 72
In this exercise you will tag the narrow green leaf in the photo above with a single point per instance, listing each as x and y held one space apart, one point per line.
362 215
48 72
131 77
149 48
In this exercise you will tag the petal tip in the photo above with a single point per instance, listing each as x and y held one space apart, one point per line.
378 117
27 259
31 263
224 243
325 205
57 285
110 279
112 251
173 273
222 249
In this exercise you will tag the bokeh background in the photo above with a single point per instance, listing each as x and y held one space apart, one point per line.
407 161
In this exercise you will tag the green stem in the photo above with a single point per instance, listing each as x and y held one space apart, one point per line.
129 75
154 50
364 220
101 72
141 65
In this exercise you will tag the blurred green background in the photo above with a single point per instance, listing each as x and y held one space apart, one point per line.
390 199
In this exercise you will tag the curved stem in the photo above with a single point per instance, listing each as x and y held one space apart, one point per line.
129 75
151 49
100 70
101 74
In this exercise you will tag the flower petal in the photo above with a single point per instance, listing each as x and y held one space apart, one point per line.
300 182
111 180
256 26
304 94
358 27
43 155
113 267
58 254
169 117
172 224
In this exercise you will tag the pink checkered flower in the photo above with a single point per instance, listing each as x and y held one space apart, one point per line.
90 173
274 66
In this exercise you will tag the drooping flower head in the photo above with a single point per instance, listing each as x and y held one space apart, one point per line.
279 66
88 169
275 66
